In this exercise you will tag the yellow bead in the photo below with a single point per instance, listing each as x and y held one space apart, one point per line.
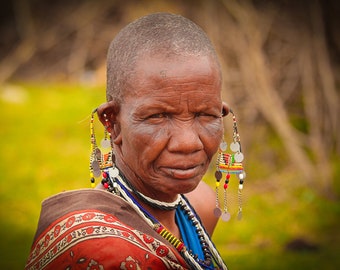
93 185
217 184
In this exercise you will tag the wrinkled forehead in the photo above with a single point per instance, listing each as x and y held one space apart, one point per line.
160 71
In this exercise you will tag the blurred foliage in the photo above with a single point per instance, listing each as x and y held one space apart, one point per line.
44 149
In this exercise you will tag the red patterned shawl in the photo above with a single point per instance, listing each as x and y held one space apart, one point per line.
94 229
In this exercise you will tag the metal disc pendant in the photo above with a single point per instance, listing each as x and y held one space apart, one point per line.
235 146
97 153
105 143
223 146
238 157
96 168
225 216
217 212
218 175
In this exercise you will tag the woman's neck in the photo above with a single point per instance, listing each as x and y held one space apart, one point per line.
134 179
165 217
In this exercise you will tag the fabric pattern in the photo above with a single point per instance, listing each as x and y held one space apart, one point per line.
94 229
96 240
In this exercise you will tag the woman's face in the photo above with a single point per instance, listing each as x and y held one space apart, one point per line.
169 124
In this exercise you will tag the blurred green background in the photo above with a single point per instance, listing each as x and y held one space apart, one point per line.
280 64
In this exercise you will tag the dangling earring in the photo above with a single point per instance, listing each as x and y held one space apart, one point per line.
238 158
95 153
99 161
229 164
108 159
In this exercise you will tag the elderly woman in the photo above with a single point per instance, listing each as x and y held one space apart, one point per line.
164 119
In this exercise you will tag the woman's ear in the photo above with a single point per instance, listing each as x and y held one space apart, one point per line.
225 109
107 114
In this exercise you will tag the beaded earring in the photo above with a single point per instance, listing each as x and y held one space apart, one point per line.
229 163
99 160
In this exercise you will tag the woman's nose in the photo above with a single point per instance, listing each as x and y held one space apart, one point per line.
185 138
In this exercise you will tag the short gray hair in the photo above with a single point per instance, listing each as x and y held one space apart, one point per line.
166 33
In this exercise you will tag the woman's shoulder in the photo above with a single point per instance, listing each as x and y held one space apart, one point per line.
94 239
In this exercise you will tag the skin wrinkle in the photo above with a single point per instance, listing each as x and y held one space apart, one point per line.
173 118
158 95
168 133
168 73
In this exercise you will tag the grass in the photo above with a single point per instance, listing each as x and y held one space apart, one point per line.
44 150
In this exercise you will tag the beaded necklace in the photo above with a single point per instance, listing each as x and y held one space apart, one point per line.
116 183
152 202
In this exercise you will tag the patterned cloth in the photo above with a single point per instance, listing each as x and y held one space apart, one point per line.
94 229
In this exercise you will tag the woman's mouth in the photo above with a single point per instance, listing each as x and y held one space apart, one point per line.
182 172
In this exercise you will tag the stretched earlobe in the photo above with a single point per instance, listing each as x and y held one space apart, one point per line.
116 135
225 109
107 114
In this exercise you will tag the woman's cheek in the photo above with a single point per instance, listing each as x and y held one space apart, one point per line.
144 136
211 135
213 129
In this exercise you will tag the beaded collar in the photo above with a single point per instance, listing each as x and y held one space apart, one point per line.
152 202
196 248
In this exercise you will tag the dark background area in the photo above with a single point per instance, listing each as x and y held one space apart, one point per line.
280 63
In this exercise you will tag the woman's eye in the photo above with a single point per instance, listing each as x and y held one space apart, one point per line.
156 118
158 115
202 114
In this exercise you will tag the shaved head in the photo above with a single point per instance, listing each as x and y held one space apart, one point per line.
163 34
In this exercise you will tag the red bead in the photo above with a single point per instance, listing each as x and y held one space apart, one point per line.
180 247
225 186
227 176
104 174
159 229
106 185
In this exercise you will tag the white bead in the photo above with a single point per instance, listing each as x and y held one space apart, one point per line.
114 172
242 175
240 186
